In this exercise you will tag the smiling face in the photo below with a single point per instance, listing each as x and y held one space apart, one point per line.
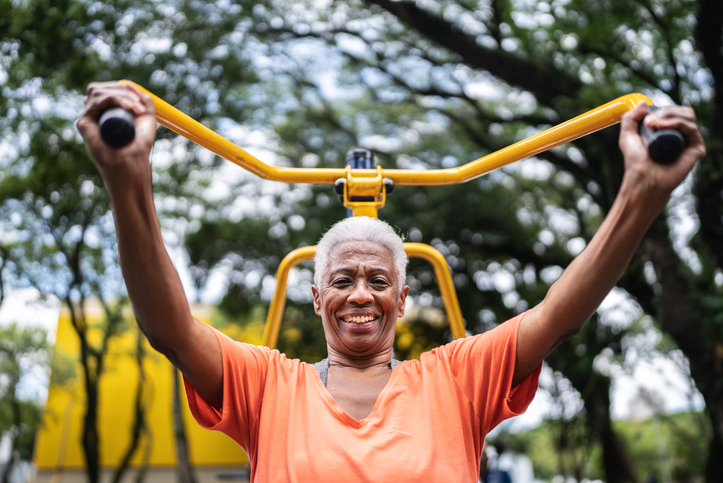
359 299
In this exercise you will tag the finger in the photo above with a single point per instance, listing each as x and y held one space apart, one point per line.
103 96
146 124
630 141
106 100
88 129
694 147
684 120
671 112
632 118
695 150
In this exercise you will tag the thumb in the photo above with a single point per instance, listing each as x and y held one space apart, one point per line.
146 121
630 141
88 128
631 120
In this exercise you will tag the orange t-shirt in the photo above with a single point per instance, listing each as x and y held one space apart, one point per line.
428 423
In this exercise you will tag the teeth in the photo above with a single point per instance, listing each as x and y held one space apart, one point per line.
360 319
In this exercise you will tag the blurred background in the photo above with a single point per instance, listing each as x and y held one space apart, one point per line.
636 396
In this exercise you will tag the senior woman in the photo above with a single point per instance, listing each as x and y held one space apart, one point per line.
360 416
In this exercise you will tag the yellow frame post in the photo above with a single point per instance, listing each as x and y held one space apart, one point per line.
444 280
414 250
276 308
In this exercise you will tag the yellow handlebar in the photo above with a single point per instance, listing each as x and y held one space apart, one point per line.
370 183
591 121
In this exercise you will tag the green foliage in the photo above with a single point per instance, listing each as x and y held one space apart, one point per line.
670 446
22 351
424 85
556 447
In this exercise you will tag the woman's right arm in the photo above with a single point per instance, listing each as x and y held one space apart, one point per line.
155 290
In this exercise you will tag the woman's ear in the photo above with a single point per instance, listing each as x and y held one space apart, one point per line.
317 300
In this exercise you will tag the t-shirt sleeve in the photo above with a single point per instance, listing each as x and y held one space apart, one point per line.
483 367
244 377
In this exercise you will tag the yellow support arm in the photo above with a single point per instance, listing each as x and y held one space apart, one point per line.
276 309
591 121
417 250
444 280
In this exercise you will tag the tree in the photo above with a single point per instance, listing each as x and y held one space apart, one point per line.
427 84
61 236
405 68
22 350
64 247
550 62
140 423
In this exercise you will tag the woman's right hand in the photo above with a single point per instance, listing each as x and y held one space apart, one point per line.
117 165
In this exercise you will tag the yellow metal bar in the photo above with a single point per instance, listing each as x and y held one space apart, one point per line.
444 280
364 208
276 309
191 129
417 250
591 121
370 187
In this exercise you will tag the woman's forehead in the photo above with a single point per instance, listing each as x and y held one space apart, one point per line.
354 253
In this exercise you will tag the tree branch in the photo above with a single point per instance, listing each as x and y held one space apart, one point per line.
540 77
664 30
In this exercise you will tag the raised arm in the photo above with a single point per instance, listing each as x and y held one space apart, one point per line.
155 290
645 190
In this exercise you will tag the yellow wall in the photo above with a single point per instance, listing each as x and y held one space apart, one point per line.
58 443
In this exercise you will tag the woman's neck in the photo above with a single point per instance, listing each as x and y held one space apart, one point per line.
379 360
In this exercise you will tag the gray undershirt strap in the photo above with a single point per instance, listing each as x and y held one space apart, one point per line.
322 367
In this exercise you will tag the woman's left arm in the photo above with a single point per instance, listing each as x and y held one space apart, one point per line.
645 190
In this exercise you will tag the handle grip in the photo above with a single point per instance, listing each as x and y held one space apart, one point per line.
117 127
664 145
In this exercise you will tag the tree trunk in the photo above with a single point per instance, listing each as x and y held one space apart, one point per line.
185 470
708 190
7 471
616 463
139 421
90 431
91 368
143 467
684 318
594 389
714 467
17 424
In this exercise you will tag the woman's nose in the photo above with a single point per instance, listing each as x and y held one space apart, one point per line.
361 294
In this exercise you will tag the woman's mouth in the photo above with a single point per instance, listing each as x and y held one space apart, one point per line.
358 319
361 323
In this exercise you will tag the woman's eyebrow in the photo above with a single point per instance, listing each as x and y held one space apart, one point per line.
350 270
380 270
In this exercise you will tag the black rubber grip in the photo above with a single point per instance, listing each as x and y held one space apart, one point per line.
664 145
117 127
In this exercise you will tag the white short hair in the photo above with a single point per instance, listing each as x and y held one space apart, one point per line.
361 228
